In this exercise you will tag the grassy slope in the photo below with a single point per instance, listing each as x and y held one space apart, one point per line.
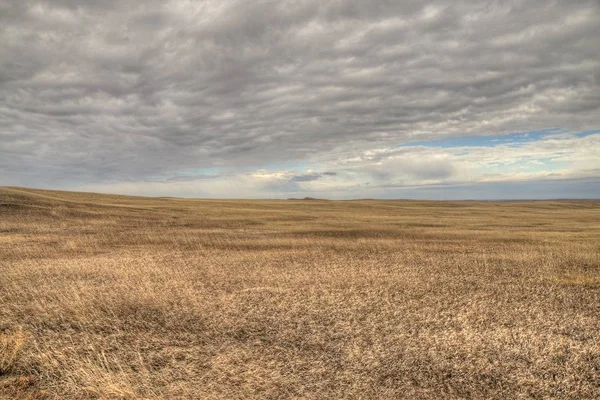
117 296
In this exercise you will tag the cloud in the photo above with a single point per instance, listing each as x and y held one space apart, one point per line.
537 168
311 177
562 155
436 167
96 93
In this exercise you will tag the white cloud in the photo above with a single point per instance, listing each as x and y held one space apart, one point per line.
554 157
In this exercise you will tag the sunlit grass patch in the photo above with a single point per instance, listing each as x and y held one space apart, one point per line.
11 345
577 279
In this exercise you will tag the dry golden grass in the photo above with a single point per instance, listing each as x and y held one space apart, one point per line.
123 297
10 346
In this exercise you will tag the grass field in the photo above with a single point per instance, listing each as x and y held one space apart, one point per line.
106 296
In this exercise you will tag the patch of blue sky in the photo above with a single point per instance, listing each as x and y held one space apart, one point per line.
587 133
516 139
190 174
524 164
541 165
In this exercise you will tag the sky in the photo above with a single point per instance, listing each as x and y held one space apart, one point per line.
337 99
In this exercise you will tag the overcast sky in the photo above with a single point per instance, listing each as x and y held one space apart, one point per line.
332 99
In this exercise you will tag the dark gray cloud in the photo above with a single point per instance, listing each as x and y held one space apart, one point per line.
311 177
108 91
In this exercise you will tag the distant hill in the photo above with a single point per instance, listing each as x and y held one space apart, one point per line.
305 198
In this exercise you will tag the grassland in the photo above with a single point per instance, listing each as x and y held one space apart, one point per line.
108 297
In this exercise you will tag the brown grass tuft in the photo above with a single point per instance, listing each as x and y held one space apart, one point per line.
11 344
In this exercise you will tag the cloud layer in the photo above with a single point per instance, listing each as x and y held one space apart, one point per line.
94 94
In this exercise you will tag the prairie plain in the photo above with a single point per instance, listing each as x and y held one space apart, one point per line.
105 296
